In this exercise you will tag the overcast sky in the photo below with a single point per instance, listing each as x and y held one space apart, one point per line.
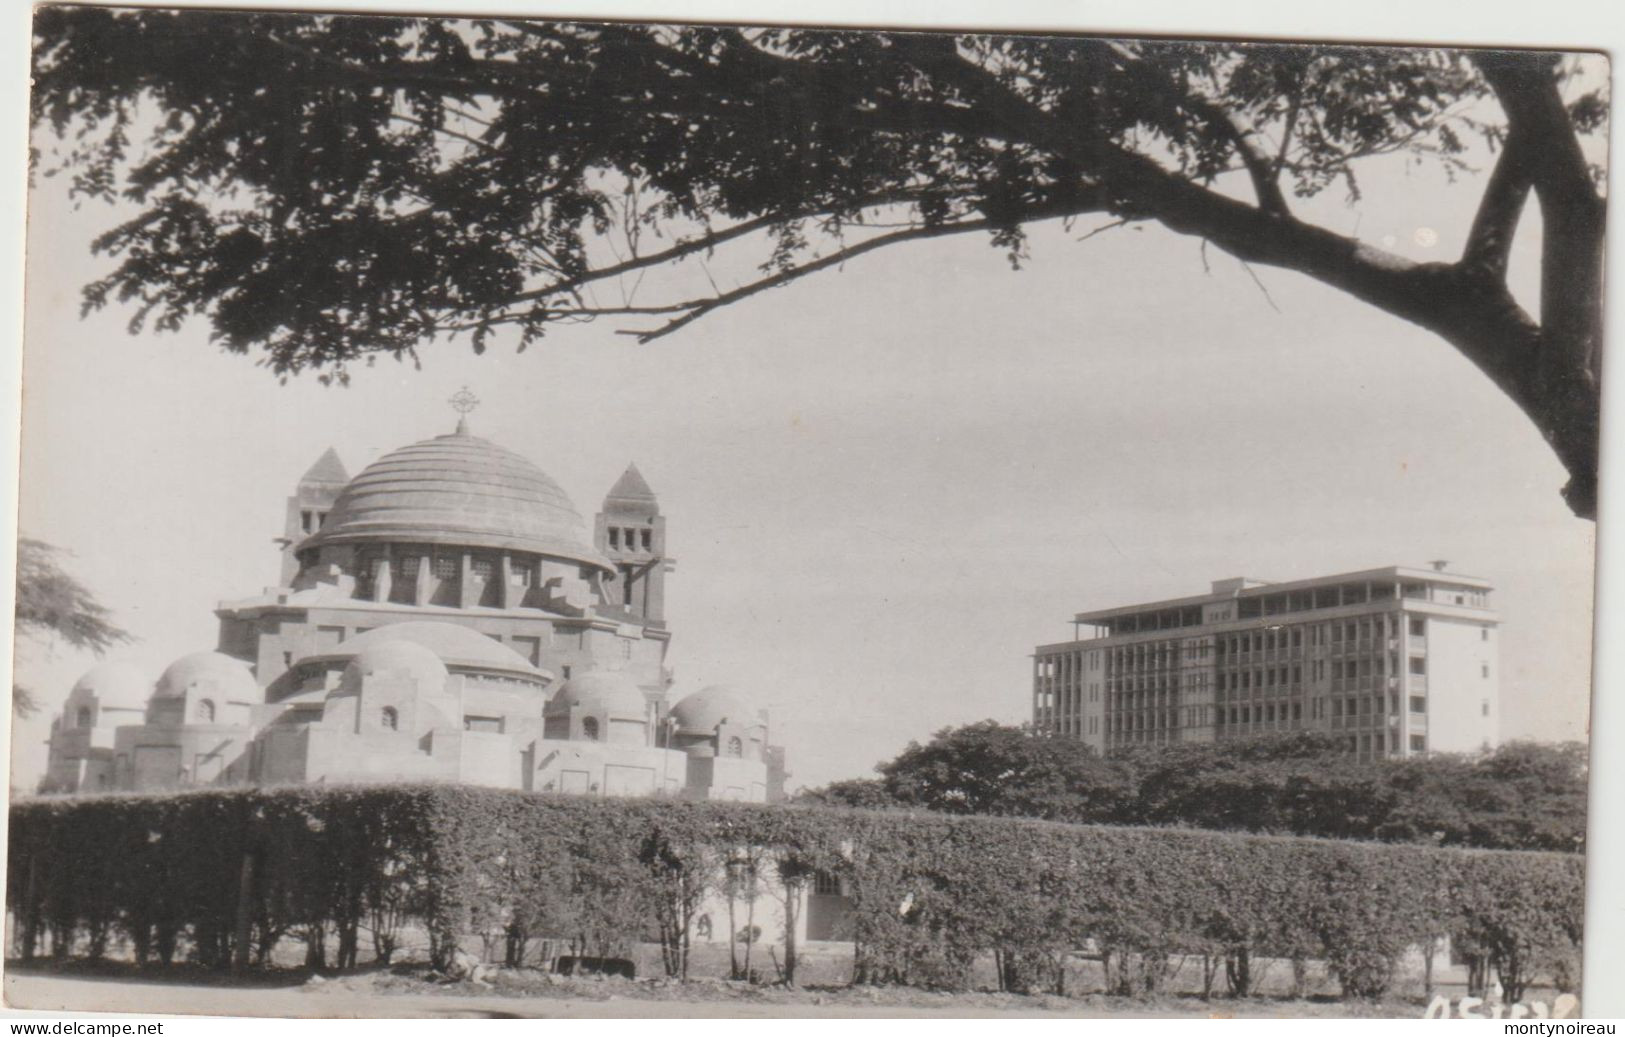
884 485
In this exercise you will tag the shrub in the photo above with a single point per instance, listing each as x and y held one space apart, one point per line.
225 874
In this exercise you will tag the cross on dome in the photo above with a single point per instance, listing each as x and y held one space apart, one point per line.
463 401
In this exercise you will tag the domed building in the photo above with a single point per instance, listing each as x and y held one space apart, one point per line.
445 615
82 754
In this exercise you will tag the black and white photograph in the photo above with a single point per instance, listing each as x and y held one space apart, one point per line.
532 515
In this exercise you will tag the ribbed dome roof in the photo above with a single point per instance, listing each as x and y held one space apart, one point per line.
211 673
613 693
116 685
701 712
459 489
457 647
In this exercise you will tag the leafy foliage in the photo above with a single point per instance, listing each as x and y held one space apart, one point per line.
50 602
987 768
929 892
1522 796
328 189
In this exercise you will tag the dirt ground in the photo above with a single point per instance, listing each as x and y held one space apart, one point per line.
380 995
411 992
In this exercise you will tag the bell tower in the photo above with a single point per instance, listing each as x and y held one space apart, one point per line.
631 533
308 507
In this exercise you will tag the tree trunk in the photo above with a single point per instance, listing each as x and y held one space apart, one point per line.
792 920
750 924
30 914
733 951
349 943
243 924
1477 974
1238 971
316 946
166 935
1514 977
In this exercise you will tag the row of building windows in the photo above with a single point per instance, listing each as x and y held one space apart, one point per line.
630 539
1248 686
1348 705
445 567
1257 606
1268 713
1380 743
1167 654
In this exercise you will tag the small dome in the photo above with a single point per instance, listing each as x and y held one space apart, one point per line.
457 647
459 490
214 675
117 685
701 712
393 658
600 691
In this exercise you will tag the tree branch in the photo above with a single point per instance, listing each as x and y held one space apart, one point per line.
1489 242
1562 385
700 307
706 243
1486 325
1262 170
1287 127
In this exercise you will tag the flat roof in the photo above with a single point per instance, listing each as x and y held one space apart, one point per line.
1264 589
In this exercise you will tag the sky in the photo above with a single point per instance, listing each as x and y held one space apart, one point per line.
884 485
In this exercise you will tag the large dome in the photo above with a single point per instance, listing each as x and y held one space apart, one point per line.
463 490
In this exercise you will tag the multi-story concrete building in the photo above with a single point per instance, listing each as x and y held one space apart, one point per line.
1394 661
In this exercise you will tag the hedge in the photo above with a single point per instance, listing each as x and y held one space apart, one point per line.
222 875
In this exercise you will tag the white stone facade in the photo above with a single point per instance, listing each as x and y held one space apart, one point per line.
442 617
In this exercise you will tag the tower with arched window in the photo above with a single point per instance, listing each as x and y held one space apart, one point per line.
309 506
631 533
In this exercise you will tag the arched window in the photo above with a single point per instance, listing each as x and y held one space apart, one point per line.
84 716
205 711
589 729
735 746
390 719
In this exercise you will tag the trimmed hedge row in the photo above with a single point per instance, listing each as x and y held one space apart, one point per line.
225 874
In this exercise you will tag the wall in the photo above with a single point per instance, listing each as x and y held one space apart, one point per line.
272 639
1457 690
726 778
201 752
598 768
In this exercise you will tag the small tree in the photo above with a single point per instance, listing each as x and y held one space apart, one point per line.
681 871
796 874
742 883
51 603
